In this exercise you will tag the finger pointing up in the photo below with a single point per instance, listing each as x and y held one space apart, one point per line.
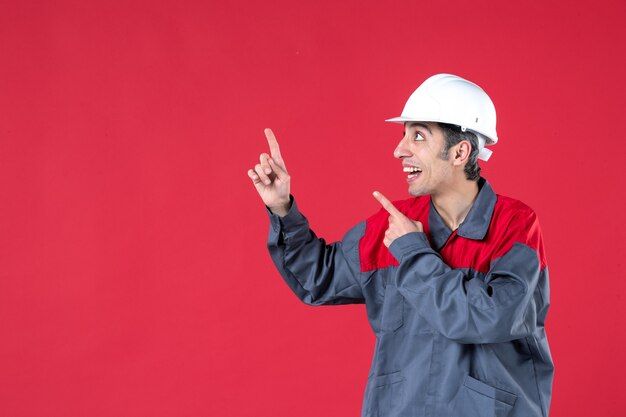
387 205
273 143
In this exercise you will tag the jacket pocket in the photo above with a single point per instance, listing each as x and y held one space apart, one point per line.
393 309
477 399
384 395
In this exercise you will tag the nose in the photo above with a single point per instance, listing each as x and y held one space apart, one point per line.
402 150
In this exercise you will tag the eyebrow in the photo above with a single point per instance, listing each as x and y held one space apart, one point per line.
422 125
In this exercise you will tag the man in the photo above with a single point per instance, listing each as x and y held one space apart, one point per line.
454 279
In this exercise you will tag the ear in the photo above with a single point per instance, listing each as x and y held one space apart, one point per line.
462 152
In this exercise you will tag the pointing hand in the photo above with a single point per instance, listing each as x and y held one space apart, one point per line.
399 224
271 179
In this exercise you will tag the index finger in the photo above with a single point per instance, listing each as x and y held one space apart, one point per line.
271 140
387 205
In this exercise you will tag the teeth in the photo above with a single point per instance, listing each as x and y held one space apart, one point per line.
411 169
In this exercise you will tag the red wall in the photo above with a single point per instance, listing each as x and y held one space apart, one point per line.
134 279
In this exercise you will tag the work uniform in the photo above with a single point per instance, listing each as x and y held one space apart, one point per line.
458 315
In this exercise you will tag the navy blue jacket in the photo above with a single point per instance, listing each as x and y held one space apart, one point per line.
458 315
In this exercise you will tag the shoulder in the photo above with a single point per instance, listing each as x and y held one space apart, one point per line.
512 204
518 223
511 209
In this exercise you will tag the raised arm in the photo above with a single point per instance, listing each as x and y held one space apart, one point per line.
318 273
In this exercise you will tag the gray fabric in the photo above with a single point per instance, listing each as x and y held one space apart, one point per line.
449 342
476 223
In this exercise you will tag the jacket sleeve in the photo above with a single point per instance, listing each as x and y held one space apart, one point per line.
318 273
505 304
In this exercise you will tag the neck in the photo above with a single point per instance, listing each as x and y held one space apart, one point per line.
454 203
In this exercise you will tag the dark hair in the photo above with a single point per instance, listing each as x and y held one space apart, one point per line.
453 135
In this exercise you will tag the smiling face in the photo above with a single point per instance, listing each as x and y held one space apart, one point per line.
429 170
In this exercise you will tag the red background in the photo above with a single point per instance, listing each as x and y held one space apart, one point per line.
134 279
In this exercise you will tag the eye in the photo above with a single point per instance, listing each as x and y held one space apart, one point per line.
419 137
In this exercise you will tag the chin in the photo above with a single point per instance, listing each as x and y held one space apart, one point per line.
416 192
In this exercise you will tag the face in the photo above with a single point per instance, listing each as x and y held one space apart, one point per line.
420 151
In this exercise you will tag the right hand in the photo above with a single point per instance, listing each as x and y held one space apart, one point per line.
399 224
271 179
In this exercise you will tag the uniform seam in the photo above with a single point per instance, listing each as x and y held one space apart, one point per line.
532 358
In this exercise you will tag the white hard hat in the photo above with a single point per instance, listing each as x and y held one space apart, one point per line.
451 99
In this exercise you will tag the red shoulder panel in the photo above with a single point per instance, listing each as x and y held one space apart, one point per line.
522 225
512 222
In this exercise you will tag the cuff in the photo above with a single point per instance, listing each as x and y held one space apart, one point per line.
292 219
411 242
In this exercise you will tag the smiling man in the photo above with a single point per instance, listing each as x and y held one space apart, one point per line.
454 279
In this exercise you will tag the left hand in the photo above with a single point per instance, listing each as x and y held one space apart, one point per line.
399 224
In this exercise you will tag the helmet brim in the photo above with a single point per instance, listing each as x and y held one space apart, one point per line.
401 119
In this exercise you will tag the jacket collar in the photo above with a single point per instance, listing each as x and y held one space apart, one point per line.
476 222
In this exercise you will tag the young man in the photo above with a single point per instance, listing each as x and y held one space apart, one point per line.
454 279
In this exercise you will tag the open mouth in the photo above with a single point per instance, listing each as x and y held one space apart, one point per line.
412 171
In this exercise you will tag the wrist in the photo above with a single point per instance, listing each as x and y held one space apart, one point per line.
281 209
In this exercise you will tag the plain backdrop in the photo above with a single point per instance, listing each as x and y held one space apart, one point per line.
134 278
